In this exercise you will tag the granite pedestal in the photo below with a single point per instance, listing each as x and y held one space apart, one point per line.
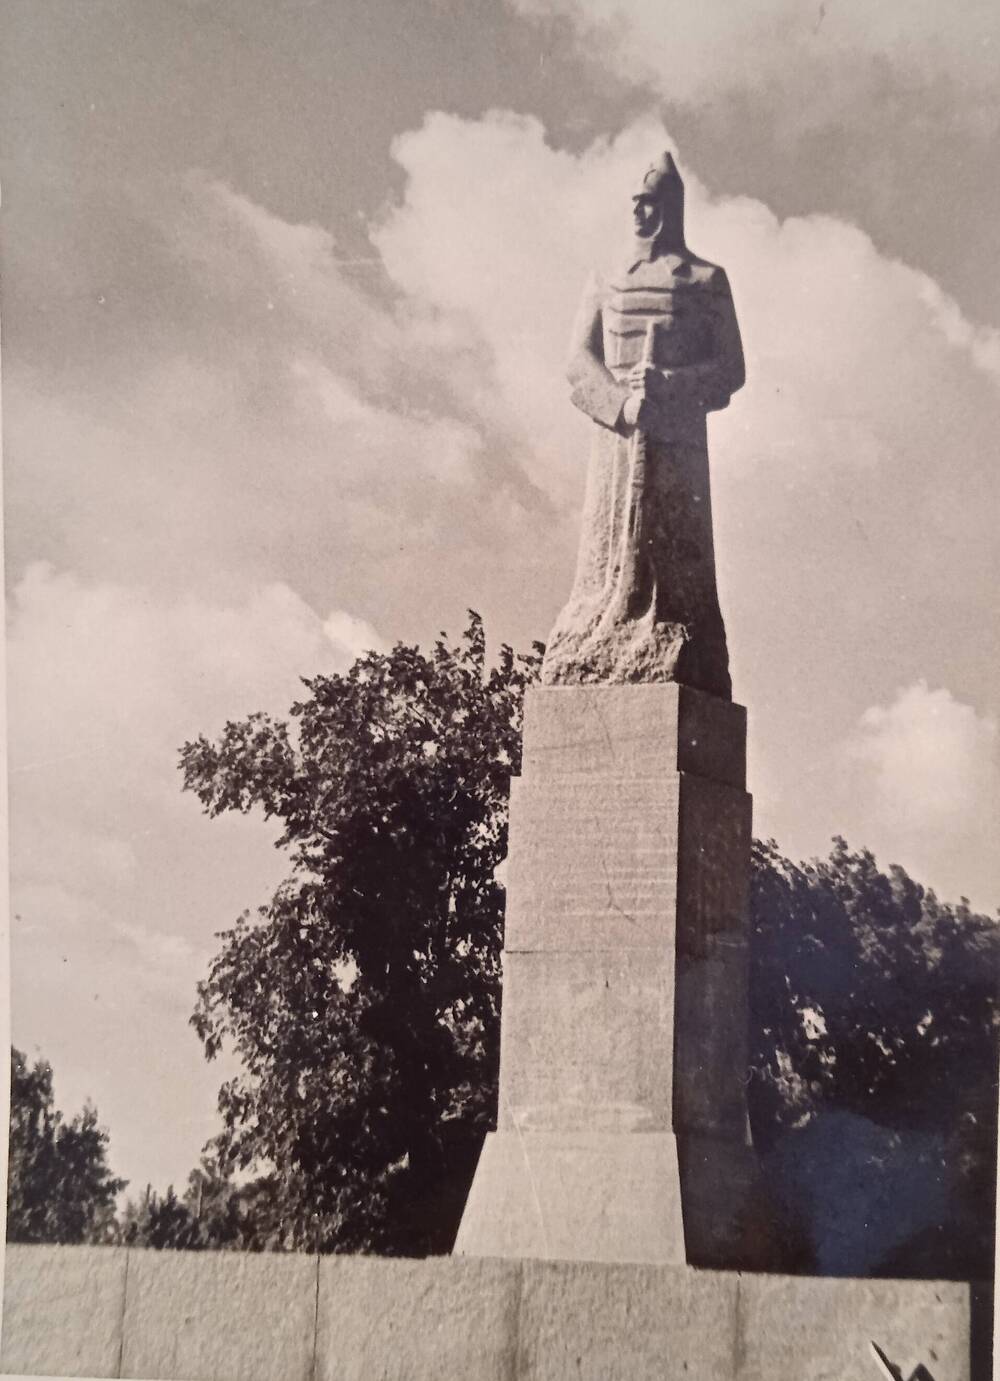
622 1130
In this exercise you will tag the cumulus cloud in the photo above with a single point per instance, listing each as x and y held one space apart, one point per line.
315 422
105 683
926 770
845 469
848 350
853 500
397 434
392 440
934 758
886 115
104 678
117 882
287 417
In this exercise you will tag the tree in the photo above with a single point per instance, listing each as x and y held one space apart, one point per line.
363 1001
59 1186
214 1212
158 1222
868 991
875 1023
236 1216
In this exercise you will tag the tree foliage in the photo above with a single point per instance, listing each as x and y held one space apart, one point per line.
59 1186
869 992
216 1211
875 1018
363 1001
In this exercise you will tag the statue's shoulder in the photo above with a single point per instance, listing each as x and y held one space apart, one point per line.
595 288
703 274
597 281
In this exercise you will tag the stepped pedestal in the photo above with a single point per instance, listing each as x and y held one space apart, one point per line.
622 1131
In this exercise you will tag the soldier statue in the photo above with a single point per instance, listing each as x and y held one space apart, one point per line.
655 348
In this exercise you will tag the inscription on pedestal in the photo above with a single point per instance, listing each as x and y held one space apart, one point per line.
588 1041
602 861
637 731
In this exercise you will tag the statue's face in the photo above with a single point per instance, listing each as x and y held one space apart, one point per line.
645 215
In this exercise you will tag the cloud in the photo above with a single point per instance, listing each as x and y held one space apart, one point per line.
926 768
835 331
287 417
887 116
848 469
689 53
392 441
350 637
398 433
852 498
118 883
442 449
104 679
105 683
845 469
934 758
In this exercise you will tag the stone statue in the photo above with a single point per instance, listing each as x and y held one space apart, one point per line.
654 350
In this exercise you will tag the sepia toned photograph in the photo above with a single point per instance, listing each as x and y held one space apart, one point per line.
500 504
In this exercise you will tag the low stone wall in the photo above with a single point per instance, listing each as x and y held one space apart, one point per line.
189 1316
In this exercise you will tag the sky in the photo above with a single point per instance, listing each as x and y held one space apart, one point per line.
286 292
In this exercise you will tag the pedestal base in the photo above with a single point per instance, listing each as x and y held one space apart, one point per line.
576 1196
730 1220
650 1198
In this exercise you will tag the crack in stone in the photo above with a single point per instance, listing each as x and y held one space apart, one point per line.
592 712
594 705
611 896
527 1165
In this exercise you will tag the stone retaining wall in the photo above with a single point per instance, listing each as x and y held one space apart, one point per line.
190 1316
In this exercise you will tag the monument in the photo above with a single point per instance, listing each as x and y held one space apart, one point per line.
653 351
622 1129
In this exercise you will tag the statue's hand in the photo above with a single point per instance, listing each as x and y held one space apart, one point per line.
662 388
645 378
636 410
665 388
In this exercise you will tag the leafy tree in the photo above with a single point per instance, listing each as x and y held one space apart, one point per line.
868 991
158 1222
875 1021
59 1186
237 1216
363 1001
214 1212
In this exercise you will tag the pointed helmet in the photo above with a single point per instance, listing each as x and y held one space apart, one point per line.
662 182
661 179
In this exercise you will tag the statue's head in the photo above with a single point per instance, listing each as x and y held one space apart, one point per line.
658 204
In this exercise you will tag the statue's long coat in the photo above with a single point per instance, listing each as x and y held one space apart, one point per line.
644 605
